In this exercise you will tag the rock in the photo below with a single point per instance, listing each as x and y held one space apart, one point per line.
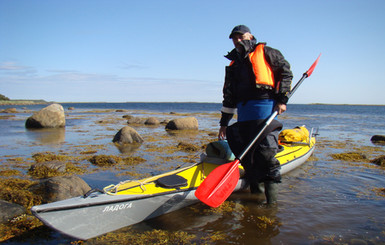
9 110
152 121
51 116
60 188
136 120
183 123
127 135
378 139
188 147
121 110
380 161
104 160
165 121
10 210
47 169
54 165
71 108
127 116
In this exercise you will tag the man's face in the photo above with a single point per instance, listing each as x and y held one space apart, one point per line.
238 37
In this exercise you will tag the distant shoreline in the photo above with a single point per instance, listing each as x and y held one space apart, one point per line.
22 102
39 102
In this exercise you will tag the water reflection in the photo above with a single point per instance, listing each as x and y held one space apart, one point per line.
127 148
183 133
47 136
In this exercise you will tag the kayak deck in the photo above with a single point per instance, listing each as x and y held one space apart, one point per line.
195 174
133 201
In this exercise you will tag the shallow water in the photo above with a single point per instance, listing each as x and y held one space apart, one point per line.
325 201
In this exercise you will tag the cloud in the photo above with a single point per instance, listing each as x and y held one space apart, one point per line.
73 85
126 66
12 68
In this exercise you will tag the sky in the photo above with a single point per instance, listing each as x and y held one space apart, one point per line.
173 50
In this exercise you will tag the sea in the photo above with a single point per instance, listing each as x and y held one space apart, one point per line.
324 201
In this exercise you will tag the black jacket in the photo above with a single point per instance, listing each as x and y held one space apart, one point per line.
240 80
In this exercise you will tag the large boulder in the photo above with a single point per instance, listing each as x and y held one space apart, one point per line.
152 121
10 210
378 139
51 116
127 135
183 123
60 188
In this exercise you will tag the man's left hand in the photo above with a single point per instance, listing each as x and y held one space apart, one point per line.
280 108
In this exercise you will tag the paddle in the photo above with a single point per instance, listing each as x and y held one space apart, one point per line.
221 182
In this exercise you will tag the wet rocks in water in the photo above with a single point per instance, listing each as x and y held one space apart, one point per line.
127 135
136 120
47 169
350 156
378 139
188 147
60 188
152 121
10 210
380 161
51 116
183 123
104 160
9 110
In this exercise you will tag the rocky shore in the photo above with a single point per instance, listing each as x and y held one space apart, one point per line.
168 138
22 102
52 177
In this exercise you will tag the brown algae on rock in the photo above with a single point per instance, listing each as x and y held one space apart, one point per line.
156 236
16 191
183 146
350 156
48 156
18 226
104 160
110 160
380 161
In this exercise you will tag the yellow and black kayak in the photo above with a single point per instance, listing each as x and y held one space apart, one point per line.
130 202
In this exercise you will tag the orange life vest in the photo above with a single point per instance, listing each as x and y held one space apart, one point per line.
263 74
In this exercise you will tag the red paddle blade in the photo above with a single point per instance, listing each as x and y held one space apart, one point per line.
312 67
219 184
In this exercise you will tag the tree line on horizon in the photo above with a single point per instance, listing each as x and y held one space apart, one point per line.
3 97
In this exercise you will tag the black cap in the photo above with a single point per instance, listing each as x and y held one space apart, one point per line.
242 29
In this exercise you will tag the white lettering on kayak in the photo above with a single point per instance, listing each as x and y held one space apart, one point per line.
117 207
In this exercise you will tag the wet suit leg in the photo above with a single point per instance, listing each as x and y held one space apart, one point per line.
260 163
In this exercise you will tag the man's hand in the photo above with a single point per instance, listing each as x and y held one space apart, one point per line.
222 133
280 108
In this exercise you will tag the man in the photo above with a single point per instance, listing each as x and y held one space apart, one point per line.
256 83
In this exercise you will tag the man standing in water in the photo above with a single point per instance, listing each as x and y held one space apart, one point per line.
256 83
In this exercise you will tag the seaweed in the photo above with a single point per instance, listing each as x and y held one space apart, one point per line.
105 160
155 236
18 226
350 156
48 156
187 147
380 161
16 191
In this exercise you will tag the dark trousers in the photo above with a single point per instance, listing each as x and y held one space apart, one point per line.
259 163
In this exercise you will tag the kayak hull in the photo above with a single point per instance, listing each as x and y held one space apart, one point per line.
100 213
131 202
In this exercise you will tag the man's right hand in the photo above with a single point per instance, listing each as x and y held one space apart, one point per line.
222 133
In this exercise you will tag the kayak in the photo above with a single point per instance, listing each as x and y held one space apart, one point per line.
132 201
